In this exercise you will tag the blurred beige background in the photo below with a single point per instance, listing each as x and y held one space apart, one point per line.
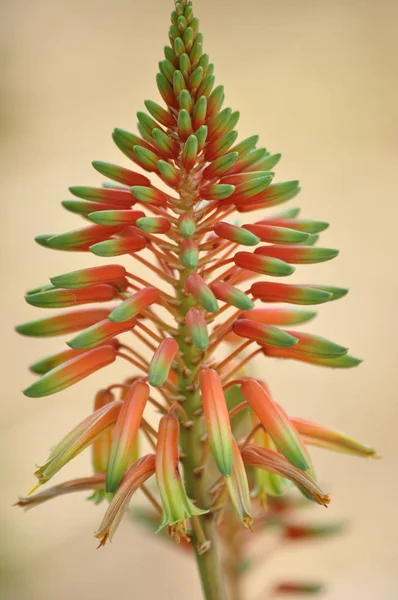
318 80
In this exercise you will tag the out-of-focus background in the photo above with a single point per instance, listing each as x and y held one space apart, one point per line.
318 81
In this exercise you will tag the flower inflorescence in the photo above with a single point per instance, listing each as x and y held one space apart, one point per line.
221 434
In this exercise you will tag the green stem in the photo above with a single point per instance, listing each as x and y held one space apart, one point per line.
207 554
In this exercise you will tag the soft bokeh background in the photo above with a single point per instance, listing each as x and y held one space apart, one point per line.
318 81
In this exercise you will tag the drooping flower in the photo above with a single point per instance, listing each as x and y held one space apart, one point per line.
177 507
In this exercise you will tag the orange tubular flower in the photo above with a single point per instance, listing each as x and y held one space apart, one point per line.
266 459
318 435
276 423
217 420
78 439
135 477
177 507
125 434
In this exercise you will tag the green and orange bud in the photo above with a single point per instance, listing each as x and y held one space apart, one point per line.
159 114
277 235
231 295
291 294
99 334
168 173
298 588
236 234
202 293
147 160
61 298
217 192
263 334
149 195
119 246
125 434
120 174
199 112
217 420
190 152
121 199
311 532
135 477
238 487
264 458
323 437
279 316
304 225
67 322
116 217
162 362
187 225
134 305
300 255
42 366
153 224
80 240
340 362
88 277
313 346
71 372
189 253
197 328
263 264
177 507
277 424
78 440
220 166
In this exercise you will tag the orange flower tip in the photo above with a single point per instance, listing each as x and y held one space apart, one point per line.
71 372
134 305
162 361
